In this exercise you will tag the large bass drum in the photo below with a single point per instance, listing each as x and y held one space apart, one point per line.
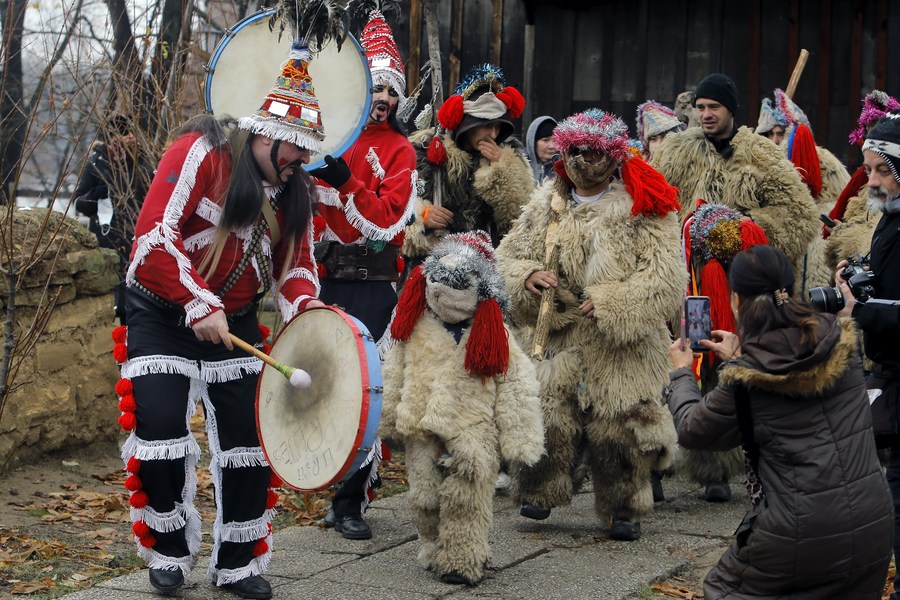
315 437
246 62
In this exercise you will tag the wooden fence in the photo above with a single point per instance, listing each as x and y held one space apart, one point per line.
615 54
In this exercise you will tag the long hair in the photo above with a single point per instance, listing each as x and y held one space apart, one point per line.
755 275
394 122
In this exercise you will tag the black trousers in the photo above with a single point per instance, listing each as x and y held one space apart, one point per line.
372 302
170 371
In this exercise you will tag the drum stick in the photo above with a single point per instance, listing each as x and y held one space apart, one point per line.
798 71
298 377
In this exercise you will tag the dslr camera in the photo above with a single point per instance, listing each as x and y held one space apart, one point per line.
831 300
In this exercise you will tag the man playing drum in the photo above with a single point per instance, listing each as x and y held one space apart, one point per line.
226 215
362 213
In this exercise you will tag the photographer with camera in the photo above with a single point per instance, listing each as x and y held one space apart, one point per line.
879 316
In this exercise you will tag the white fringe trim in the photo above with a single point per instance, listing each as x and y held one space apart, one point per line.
257 566
387 341
209 210
166 522
243 457
374 460
195 310
372 158
154 364
200 240
245 531
328 235
277 129
373 231
155 560
329 196
289 310
160 449
229 370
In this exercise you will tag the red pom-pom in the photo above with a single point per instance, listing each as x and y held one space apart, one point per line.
806 159
513 100
133 483
487 351
436 153
148 541
271 500
451 112
401 264
650 191
752 235
120 353
260 547
410 306
124 387
139 499
264 331
119 334
127 404
140 529
385 452
267 348
133 465
321 271
318 226
128 421
275 481
714 283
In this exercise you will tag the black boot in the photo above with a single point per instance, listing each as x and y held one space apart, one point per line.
625 529
166 581
251 587
718 491
353 527
532 511
656 482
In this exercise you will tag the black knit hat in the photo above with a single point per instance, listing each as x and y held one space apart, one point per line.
884 140
545 129
720 88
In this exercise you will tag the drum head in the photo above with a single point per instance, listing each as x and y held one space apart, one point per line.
246 63
311 436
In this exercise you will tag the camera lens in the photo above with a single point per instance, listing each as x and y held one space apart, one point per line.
826 299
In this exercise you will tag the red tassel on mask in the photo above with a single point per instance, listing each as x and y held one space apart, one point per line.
487 351
513 100
451 113
752 235
436 153
806 159
714 283
650 191
410 306
851 190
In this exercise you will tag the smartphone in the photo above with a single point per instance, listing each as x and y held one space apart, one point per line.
696 322
827 220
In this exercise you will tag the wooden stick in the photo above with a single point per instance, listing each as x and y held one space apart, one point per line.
795 76
297 377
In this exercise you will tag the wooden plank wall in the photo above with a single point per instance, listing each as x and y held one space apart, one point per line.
614 54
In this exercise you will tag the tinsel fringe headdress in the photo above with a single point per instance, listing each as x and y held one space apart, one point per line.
876 104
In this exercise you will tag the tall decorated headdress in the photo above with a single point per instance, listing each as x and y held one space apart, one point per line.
654 118
782 112
382 54
607 134
290 111
876 104
459 261
481 97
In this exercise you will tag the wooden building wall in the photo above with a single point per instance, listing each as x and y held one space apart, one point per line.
614 54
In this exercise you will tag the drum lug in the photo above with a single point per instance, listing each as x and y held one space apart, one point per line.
375 389
366 336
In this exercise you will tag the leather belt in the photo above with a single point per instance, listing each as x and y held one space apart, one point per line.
137 287
357 262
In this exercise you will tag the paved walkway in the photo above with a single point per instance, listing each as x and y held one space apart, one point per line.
566 557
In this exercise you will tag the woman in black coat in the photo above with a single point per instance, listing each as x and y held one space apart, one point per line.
792 392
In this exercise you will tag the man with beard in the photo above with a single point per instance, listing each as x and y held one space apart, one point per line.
879 317
363 209
722 163
620 277
472 165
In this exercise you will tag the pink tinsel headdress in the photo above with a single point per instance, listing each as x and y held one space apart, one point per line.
876 104
594 129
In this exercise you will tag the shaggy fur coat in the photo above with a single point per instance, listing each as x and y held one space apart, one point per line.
854 233
756 180
456 428
481 194
601 377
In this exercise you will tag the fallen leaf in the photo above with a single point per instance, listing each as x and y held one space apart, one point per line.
79 577
70 463
673 591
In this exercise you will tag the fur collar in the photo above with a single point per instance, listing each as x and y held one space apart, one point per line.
813 381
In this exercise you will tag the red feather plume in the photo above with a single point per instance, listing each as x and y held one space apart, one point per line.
410 306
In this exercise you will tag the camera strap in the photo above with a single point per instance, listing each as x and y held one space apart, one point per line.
748 441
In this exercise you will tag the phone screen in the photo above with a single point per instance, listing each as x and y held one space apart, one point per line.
697 322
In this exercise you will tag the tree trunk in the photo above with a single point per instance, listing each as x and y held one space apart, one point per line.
12 117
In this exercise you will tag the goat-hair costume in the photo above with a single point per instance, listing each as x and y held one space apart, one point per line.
600 377
457 415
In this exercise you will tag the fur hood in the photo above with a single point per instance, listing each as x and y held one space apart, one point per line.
777 362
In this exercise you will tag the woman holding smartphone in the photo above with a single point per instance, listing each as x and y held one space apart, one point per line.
791 391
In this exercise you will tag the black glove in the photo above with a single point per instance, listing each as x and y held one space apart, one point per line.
335 172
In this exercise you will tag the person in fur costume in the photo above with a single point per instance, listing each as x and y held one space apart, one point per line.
822 171
462 395
472 173
620 277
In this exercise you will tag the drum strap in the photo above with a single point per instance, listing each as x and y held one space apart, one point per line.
274 228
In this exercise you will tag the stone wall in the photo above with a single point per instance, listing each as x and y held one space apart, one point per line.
63 391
